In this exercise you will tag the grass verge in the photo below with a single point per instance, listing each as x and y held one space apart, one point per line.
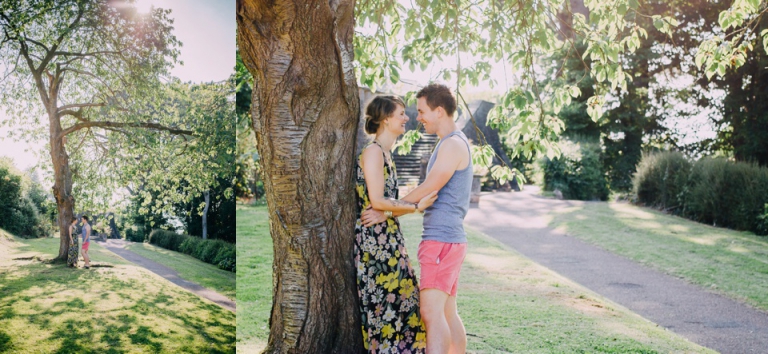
115 307
733 263
189 268
507 302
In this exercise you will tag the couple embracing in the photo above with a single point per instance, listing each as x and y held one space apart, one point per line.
401 314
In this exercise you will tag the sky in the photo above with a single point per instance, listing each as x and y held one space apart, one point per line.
207 30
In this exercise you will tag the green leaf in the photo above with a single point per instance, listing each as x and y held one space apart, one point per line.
520 102
575 91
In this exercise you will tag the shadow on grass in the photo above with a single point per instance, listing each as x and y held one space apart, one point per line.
5 342
64 310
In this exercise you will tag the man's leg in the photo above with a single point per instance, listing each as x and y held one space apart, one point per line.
432 304
458 333
86 258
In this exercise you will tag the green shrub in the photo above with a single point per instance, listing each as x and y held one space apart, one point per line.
166 239
217 252
189 245
135 233
714 191
728 194
226 258
578 173
762 222
209 250
18 214
660 179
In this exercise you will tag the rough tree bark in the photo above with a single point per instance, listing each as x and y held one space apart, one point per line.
62 186
305 113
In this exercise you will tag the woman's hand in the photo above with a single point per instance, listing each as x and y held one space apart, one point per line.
427 201
372 217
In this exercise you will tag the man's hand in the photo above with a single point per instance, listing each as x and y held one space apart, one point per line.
372 217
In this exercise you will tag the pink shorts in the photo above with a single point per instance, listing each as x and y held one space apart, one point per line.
85 246
440 265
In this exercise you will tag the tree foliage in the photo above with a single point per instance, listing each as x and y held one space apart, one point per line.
522 34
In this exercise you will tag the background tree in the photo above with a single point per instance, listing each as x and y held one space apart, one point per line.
78 62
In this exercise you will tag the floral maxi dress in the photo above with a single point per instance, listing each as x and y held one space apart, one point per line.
386 284
72 251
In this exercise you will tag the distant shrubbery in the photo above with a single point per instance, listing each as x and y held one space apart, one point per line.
135 233
714 191
219 253
18 213
578 173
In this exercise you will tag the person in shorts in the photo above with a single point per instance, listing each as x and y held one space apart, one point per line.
86 241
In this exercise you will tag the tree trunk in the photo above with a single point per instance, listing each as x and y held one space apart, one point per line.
305 113
207 195
62 187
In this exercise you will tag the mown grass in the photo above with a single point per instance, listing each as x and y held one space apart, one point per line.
254 278
189 268
115 307
507 302
729 262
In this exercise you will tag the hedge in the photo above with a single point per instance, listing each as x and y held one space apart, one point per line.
217 252
714 191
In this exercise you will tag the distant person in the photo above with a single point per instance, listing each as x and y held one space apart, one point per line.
86 241
72 252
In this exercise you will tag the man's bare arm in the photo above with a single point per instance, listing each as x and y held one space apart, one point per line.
442 170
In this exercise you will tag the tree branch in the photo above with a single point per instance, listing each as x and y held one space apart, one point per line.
145 125
90 54
52 53
80 105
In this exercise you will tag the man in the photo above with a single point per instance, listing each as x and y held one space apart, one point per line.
86 241
444 242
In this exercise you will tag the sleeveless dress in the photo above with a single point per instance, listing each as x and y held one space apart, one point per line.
386 284
72 251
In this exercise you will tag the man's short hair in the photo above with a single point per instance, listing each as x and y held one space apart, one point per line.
86 217
438 95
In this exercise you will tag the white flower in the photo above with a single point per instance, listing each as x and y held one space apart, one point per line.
389 314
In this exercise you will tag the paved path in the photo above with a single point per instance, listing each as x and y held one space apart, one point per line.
118 247
711 320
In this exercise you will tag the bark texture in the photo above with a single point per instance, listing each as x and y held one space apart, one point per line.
305 111
62 186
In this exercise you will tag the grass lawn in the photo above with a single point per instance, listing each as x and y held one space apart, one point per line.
507 302
732 263
254 278
115 307
189 268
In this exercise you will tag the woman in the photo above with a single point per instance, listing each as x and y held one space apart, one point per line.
72 251
387 286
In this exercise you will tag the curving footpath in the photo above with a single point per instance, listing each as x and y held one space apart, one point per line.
519 221
118 247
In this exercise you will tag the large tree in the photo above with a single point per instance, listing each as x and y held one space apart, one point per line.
306 108
93 69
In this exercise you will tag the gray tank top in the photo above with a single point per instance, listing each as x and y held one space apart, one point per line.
444 220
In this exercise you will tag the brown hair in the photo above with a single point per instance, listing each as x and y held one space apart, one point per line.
379 109
86 218
438 95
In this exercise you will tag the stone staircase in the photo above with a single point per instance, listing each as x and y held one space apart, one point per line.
409 166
